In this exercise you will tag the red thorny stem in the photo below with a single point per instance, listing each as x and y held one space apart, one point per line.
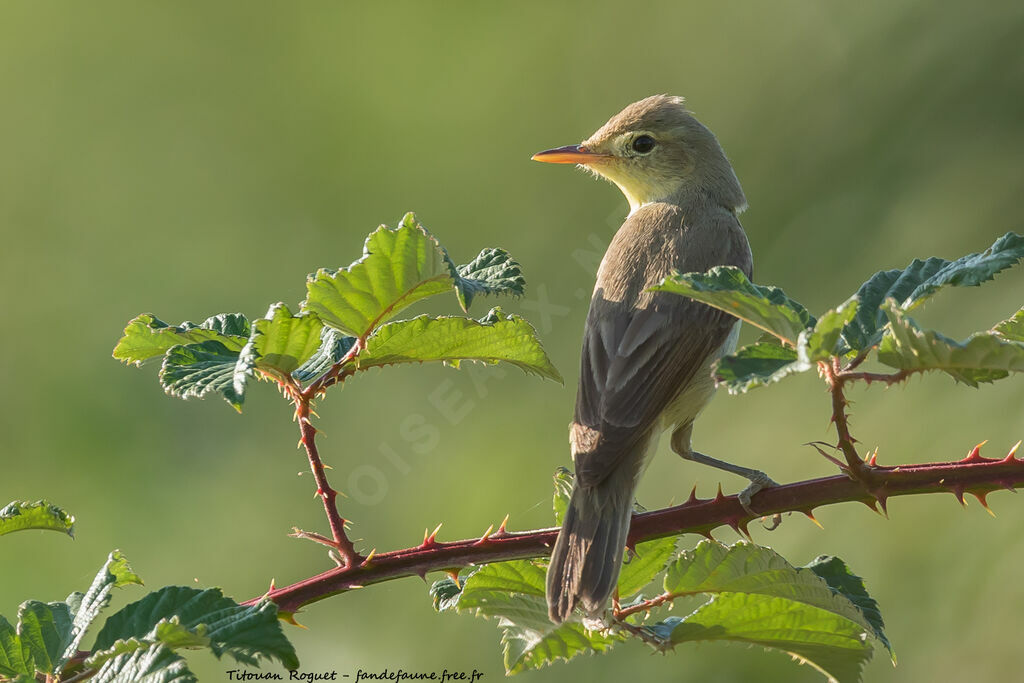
328 495
862 481
974 474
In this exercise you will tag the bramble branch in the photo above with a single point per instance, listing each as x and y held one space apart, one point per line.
347 553
974 474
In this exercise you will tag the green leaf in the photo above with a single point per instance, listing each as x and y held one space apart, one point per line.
246 633
983 357
766 361
841 580
757 365
498 337
279 344
195 370
971 270
831 644
15 656
155 664
20 515
1012 328
333 347
747 568
43 634
45 630
147 336
445 594
284 342
649 559
824 340
398 268
115 573
493 271
762 599
916 283
513 593
169 632
728 289
563 492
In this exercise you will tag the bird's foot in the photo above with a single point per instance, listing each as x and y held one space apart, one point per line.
758 481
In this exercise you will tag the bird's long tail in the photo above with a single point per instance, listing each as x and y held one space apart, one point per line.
587 556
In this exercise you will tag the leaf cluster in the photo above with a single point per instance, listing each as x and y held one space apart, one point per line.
347 323
820 614
140 642
875 320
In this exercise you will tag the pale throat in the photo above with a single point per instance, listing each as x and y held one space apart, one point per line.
641 191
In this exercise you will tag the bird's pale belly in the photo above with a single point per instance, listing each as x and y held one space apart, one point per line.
692 399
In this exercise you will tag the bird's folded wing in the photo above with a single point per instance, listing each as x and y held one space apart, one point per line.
635 362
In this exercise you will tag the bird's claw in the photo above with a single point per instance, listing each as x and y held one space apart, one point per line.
758 481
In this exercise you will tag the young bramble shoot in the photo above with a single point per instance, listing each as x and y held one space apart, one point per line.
346 324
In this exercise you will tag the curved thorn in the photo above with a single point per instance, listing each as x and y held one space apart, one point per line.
975 453
958 491
453 573
816 445
810 515
739 527
984 503
883 502
289 617
487 534
1011 456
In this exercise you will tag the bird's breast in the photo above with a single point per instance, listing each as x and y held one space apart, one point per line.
692 398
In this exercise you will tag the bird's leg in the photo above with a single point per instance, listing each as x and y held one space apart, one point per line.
758 479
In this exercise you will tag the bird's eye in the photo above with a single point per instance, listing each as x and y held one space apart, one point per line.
643 144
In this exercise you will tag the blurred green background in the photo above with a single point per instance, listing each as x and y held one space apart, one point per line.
192 158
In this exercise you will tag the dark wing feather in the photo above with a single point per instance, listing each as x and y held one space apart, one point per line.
640 349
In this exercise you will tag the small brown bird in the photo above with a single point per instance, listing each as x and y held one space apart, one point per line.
646 363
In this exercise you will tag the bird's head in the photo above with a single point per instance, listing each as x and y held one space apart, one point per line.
655 150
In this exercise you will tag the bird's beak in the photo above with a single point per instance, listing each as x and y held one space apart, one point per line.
570 154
